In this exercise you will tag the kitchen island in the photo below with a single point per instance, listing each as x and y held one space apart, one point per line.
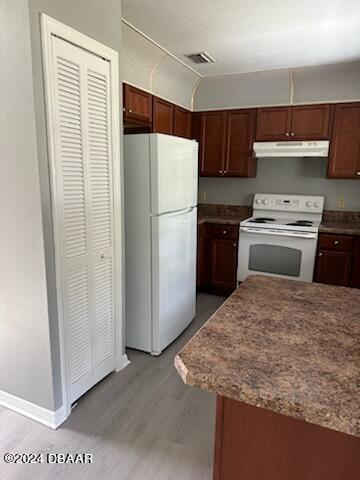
283 358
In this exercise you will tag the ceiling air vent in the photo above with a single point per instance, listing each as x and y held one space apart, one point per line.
201 57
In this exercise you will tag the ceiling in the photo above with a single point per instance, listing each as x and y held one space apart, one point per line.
251 35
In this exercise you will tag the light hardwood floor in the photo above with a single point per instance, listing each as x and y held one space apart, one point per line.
140 424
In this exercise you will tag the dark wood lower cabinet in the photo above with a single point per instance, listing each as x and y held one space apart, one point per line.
355 268
333 268
223 258
200 267
338 260
217 258
252 443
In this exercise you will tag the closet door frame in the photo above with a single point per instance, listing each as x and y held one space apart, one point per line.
49 28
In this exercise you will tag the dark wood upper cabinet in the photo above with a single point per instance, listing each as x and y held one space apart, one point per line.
137 106
305 122
212 143
239 161
226 143
273 123
344 159
163 116
182 122
310 122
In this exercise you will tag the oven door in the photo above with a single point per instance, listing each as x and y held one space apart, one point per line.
278 253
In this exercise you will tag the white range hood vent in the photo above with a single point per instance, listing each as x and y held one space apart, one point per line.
292 149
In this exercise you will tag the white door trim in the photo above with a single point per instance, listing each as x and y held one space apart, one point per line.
50 27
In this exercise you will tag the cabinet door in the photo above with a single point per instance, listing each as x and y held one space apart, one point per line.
310 122
333 268
240 161
355 269
182 122
200 266
137 106
163 116
273 123
344 160
223 263
212 143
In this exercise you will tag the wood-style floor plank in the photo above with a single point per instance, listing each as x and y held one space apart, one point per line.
140 424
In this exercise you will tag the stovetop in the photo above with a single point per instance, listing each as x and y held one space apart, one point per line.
286 212
286 223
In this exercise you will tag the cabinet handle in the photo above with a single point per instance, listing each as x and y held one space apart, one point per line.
235 245
358 173
130 111
287 134
292 134
224 232
221 172
124 109
320 254
225 172
336 242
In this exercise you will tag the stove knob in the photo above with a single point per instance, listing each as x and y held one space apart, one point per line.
316 204
265 202
258 201
309 204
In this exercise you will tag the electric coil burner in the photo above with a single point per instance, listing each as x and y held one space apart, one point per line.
262 220
280 239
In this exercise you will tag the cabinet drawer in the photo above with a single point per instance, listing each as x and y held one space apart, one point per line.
341 243
229 232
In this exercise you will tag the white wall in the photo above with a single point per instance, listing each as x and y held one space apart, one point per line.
25 358
327 83
283 175
98 20
149 67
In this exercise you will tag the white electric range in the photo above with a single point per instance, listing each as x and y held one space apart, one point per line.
280 239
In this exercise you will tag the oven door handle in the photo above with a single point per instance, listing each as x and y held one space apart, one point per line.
280 233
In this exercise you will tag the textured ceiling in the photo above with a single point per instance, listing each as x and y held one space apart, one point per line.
248 35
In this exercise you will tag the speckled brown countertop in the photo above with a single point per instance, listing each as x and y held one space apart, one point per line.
287 346
343 228
222 219
224 214
347 223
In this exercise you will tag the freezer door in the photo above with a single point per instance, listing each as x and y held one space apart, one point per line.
173 173
173 275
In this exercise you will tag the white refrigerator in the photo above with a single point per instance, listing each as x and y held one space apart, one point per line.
160 184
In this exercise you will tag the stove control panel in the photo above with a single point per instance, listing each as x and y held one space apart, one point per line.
290 203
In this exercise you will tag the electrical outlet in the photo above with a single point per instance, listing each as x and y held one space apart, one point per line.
341 202
202 196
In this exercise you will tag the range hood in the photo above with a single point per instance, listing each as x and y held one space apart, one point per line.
292 149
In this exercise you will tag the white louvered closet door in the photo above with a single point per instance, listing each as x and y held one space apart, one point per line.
85 211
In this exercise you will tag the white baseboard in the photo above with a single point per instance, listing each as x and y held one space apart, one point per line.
52 419
124 362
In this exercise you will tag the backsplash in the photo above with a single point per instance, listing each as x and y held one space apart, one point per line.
244 211
238 211
330 216
283 175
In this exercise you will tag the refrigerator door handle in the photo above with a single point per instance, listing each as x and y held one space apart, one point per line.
176 213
